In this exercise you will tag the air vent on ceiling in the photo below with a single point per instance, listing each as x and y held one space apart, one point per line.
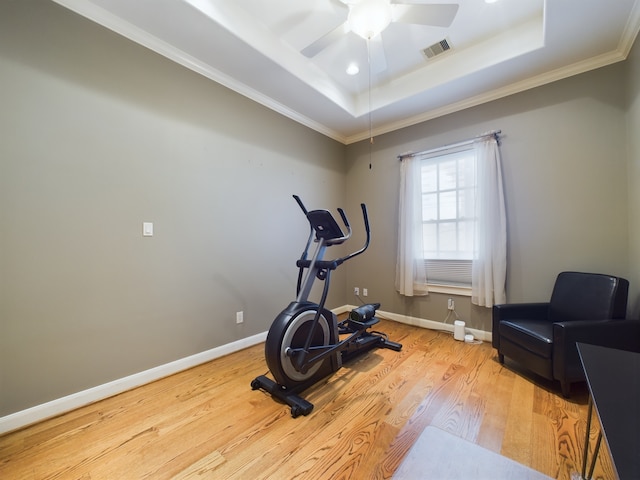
437 48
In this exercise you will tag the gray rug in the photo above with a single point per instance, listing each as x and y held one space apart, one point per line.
438 455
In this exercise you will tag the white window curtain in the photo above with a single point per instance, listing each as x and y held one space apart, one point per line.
411 277
490 250
489 266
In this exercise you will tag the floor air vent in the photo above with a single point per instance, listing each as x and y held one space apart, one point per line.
437 48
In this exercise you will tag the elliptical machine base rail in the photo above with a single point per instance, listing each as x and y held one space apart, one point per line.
305 342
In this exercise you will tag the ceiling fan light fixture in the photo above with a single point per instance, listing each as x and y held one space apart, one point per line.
368 18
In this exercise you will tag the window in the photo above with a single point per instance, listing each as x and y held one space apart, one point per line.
452 225
448 185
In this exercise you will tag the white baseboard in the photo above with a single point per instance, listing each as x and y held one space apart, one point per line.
343 309
423 323
56 407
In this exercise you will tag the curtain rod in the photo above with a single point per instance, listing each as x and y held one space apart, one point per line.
492 133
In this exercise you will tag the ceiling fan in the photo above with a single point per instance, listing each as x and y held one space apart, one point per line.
368 19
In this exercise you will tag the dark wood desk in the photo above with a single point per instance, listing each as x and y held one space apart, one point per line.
613 377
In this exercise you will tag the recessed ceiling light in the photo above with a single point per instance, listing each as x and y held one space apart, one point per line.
490 1
353 69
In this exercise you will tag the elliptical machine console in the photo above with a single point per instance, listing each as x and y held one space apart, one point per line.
305 342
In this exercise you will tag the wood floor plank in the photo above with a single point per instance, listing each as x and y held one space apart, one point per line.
518 431
202 468
206 422
494 421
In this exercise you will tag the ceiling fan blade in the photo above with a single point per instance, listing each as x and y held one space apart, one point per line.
436 15
324 41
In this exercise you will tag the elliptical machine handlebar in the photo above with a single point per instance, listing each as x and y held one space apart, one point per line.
345 220
297 198
365 217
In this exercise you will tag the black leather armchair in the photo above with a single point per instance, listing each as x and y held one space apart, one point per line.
584 307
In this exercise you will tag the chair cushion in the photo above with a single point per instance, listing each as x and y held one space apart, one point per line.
533 335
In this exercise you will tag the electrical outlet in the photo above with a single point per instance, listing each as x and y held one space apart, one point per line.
239 317
356 291
450 304
365 292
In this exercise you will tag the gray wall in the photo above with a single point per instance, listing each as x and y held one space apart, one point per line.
632 66
565 172
99 135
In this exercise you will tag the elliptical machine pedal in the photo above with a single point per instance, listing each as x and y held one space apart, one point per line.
304 343
362 317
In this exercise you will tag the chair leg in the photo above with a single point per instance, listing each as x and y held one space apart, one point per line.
566 389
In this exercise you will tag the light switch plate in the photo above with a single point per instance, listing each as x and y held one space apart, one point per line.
147 229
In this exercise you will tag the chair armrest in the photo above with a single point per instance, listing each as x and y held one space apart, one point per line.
622 334
512 311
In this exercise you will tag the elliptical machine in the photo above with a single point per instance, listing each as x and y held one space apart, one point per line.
305 342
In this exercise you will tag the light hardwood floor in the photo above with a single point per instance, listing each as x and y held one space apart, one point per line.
207 422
